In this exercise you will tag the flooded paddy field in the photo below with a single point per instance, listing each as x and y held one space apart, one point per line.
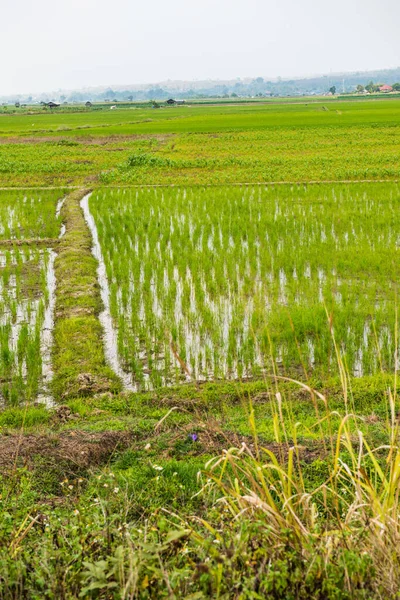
27 293
209 283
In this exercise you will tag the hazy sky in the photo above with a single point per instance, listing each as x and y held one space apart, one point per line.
76 43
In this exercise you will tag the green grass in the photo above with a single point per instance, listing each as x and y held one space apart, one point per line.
79 362
204 144
267 488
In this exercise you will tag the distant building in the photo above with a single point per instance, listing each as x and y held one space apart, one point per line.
172 101
386 88
113 107
88 104
52 104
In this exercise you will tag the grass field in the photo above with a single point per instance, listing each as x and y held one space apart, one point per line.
205 404
228 144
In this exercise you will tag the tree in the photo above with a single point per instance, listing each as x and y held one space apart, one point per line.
396 87
332 90
371 87
360 88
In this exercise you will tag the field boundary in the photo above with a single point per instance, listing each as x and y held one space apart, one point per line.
80 367
180 185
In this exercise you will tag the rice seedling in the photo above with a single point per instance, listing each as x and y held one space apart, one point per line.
26 293
27 215
214 283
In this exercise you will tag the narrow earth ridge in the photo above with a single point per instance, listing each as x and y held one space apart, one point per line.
80 366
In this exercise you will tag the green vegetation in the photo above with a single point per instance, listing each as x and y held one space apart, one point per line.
79 361
203 144
225 279
25 291
27 215
258 456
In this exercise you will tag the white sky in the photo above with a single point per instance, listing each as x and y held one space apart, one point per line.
45 46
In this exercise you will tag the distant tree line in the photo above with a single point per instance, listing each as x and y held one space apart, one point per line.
256 87
372 87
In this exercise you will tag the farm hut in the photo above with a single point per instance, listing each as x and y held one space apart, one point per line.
171 101
386 88
88 104
52 104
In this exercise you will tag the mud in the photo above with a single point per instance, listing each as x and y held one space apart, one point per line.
79 448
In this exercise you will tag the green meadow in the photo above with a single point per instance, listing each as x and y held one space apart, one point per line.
199 352
203 144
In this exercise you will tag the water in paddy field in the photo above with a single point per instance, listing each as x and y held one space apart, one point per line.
46 339
110 332
21 315
196 277
60 204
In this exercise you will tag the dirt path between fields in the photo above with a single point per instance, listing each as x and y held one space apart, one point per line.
80 367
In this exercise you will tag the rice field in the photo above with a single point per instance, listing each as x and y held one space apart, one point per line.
27 286
26 215
209 283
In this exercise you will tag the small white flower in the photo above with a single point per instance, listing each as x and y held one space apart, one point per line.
157 468
116 490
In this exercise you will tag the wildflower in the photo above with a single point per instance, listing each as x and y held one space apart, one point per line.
147 447
76 512
70 487
105 485
80 480
116 490
194 437
157 468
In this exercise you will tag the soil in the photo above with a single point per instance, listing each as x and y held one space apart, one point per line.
86 140
78 448
46 242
